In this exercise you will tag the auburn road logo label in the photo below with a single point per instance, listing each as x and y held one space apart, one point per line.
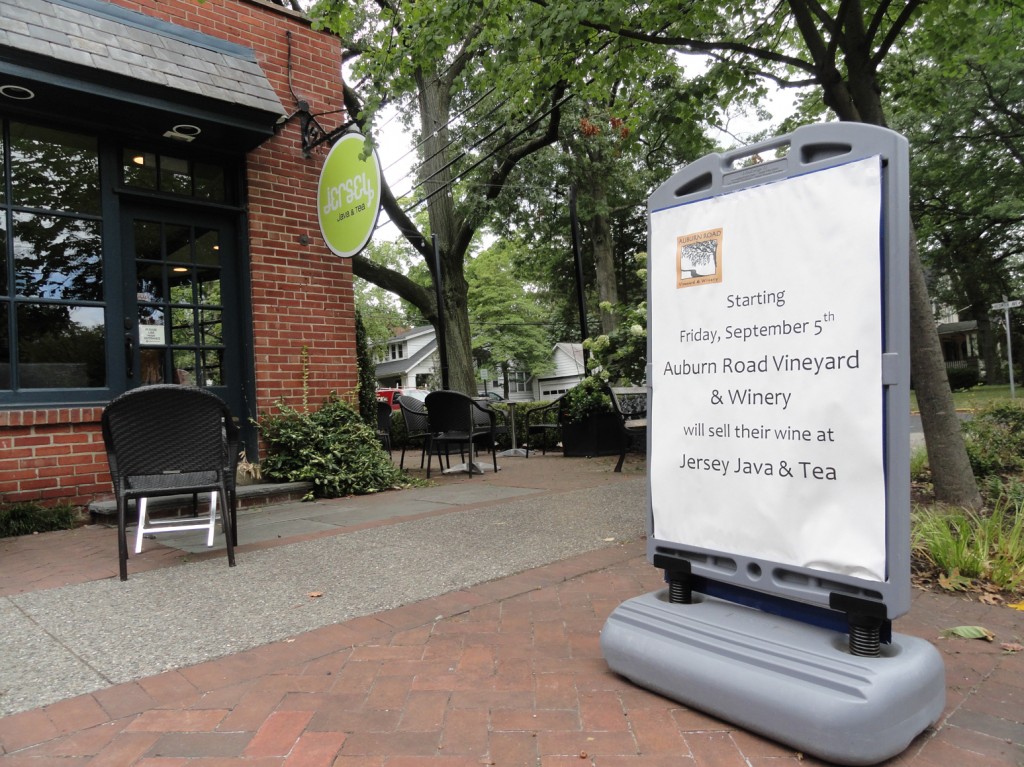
699 258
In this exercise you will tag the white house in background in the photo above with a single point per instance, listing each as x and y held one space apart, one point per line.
413 363
568 370
411 360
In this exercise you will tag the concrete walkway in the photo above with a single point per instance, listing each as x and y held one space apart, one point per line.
449 625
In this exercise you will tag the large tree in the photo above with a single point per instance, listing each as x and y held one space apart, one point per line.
442 61
956 90
839 48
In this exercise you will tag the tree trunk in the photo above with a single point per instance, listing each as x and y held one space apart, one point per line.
857 98
435 174
947 457
989 351
604 265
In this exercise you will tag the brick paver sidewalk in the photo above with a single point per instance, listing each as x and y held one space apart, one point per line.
505 673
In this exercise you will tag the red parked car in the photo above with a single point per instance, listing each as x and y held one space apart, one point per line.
391 395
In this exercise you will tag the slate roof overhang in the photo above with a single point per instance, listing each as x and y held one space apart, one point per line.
111 67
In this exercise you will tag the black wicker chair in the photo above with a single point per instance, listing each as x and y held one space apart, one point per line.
414 413
456 418
537 422
168 440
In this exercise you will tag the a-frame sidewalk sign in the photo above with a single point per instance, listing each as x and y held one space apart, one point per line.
778 448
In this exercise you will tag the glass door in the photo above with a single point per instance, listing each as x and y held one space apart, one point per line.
181 316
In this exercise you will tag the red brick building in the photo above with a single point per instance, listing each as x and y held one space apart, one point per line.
158 221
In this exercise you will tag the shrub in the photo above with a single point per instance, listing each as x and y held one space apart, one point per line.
333 447
975 546
964 378
28 518
995 439
621 355
584 399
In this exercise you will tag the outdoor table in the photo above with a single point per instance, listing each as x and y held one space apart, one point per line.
472 465
515 451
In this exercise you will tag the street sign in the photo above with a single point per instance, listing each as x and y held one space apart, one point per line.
1007 305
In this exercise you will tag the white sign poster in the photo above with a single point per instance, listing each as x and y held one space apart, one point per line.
151 335
766 343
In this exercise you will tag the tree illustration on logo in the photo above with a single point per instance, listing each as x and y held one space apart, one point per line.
698 259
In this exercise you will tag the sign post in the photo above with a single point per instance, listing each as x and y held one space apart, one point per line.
778 449
1006 306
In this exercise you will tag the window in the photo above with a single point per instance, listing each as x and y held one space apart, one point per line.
52 309
397 351
173 175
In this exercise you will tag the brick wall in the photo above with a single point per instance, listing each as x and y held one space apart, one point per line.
302 301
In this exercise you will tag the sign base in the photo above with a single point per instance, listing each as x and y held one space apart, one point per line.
786 680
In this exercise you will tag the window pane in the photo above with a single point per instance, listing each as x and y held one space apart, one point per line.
184 366
179 280
150 282
183 326
57 257
60 346
54 169
211 331
139 169
147 241
5 349
175 176
179 243
152 366
208 281
209 182
207 247
213 367
3 252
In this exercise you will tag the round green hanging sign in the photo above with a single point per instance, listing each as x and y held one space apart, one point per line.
348 196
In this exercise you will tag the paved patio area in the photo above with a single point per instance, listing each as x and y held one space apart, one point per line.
451 625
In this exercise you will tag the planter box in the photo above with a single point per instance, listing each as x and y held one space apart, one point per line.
598 435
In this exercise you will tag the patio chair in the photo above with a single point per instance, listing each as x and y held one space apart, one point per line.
168 440
384 424
537 423
456 418
414 413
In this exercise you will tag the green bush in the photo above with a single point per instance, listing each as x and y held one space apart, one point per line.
995 439
963 543
962 379
333 447
585 399
28 518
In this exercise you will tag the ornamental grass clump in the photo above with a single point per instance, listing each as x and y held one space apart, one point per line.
28 518
985 546
332 447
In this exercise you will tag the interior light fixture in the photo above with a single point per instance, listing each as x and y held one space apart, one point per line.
16 92
180 269
139 159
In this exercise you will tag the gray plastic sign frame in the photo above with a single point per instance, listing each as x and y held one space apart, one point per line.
807 150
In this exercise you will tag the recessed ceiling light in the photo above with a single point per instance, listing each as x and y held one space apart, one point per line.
16 92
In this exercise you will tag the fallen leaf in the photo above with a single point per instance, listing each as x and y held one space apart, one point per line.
954 581
1012 647
315 594
970 632
1017 606
990 599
